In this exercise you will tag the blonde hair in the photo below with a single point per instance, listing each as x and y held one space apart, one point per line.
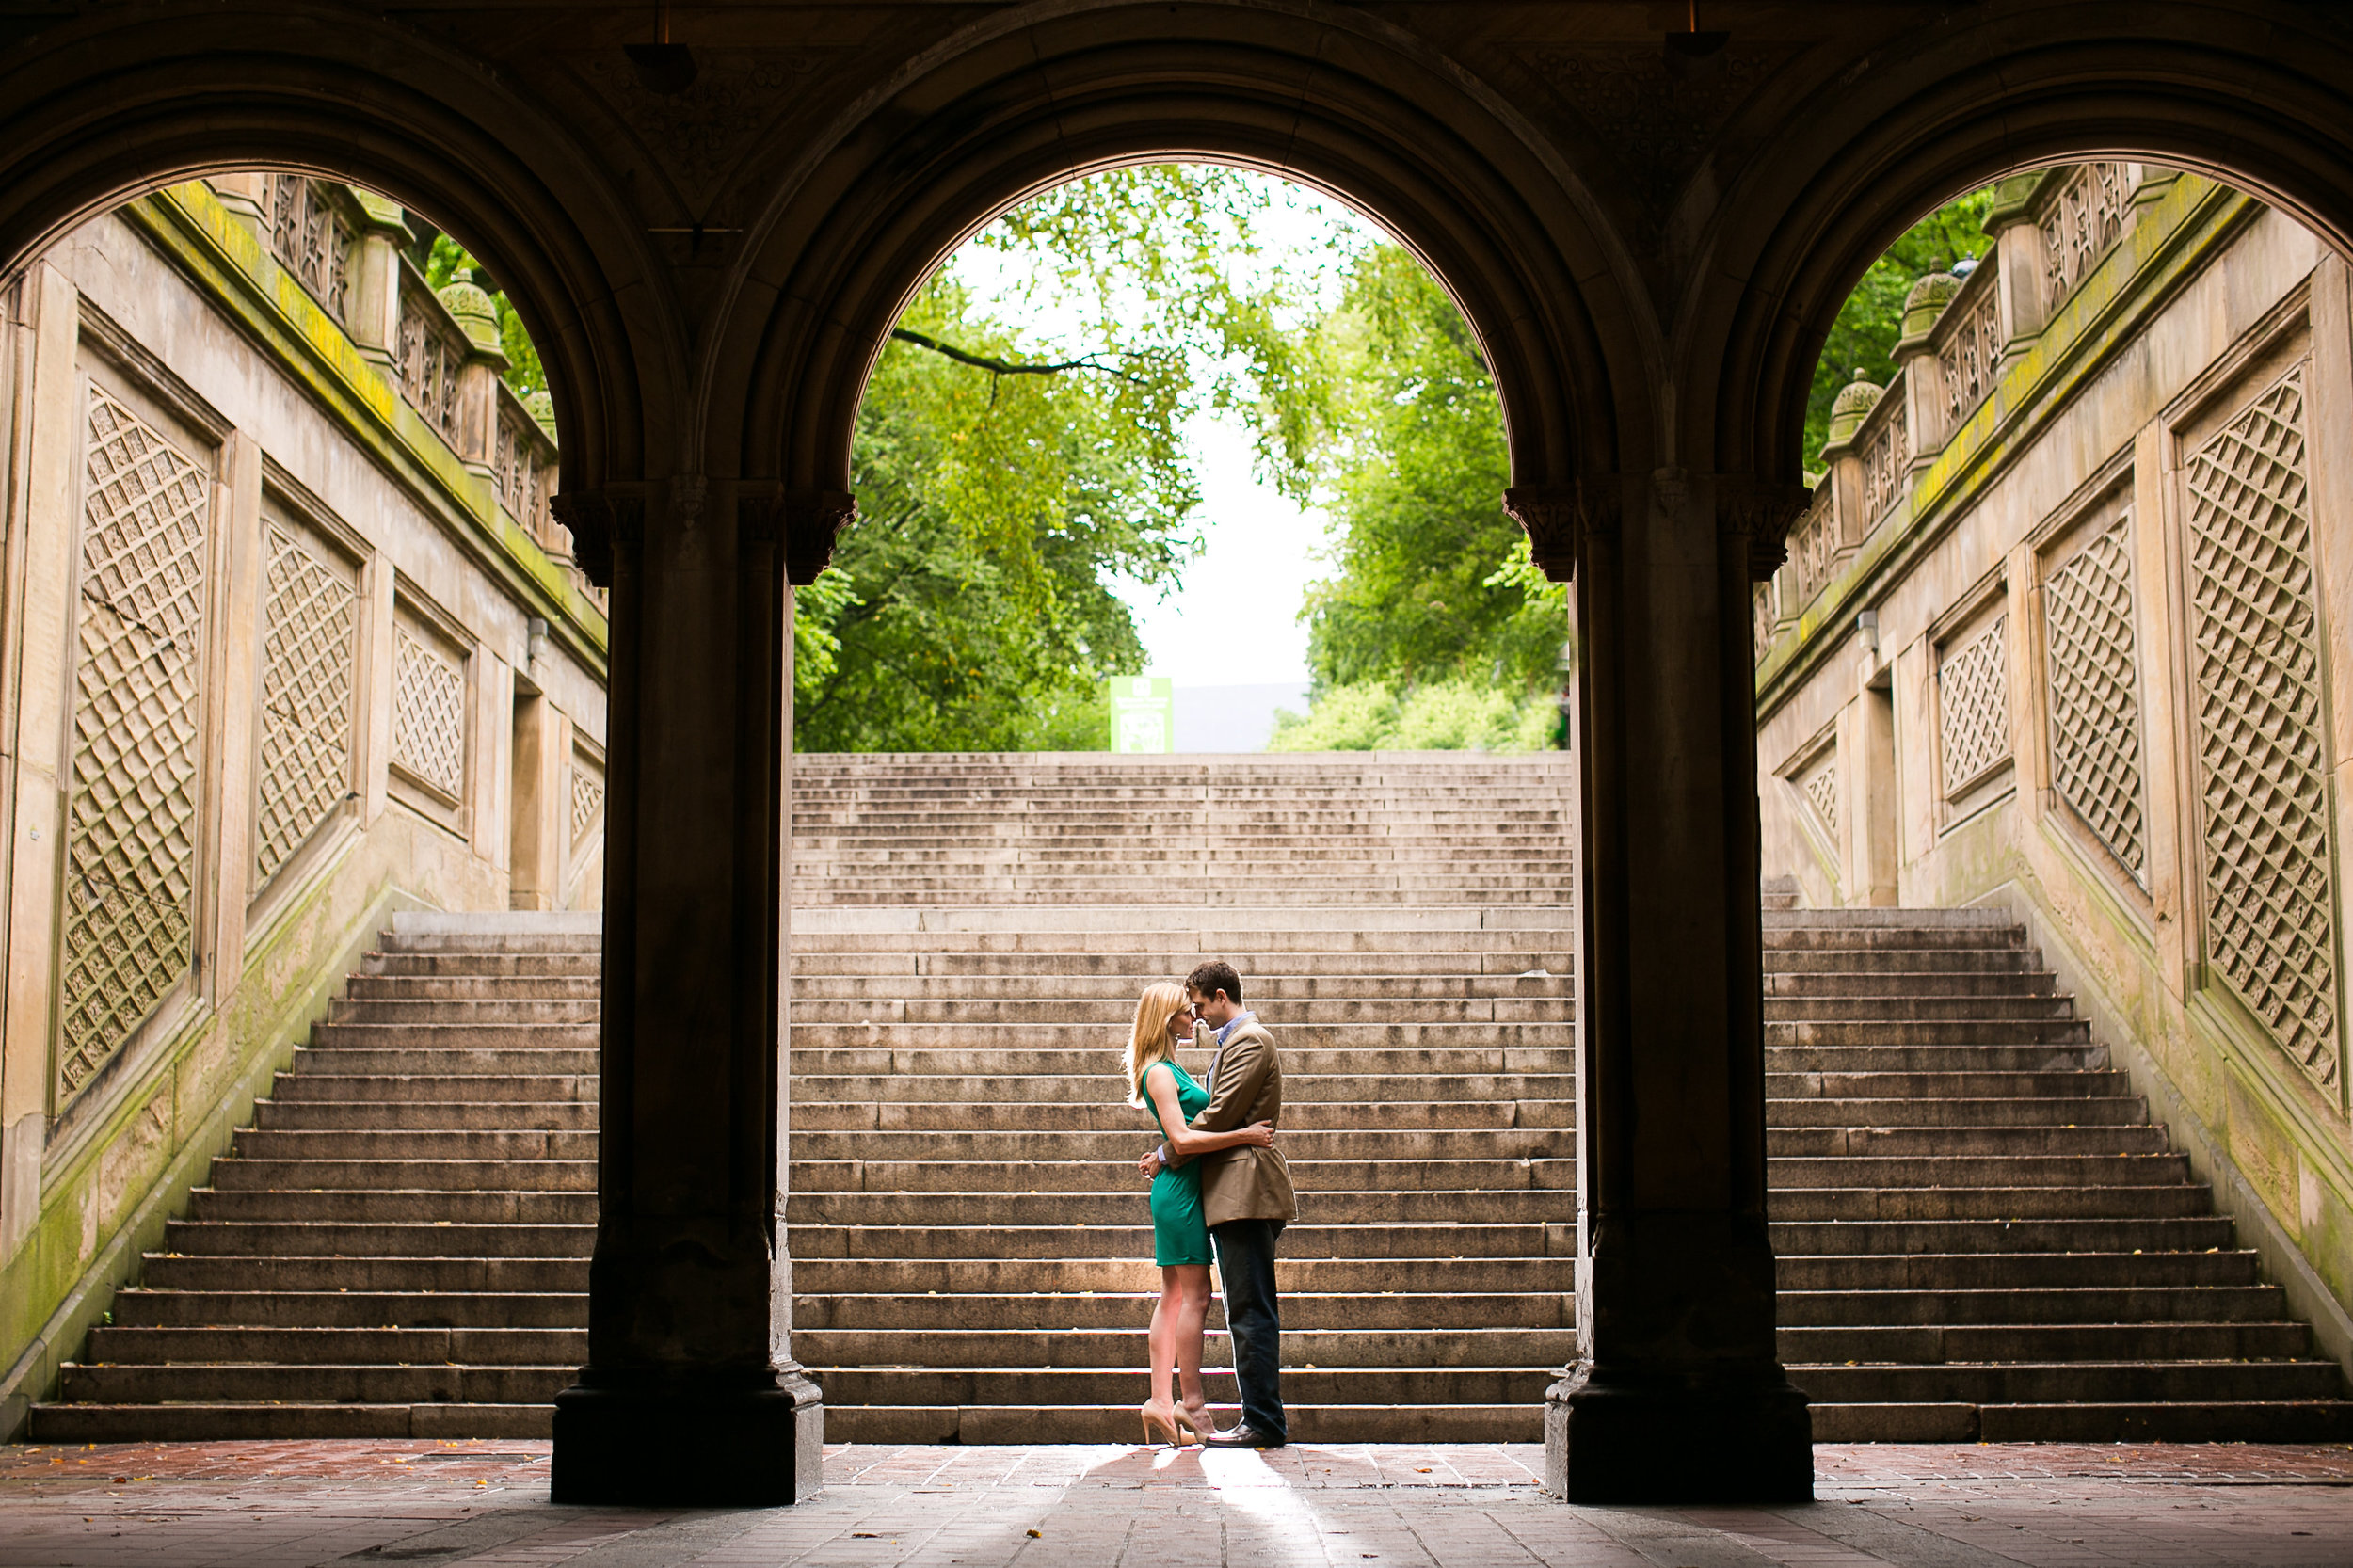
1150 1043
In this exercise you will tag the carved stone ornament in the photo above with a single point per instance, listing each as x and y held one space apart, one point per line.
1559 517
813 519
597 519
1763 511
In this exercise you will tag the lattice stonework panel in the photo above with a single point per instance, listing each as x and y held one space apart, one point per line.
428 714
1821 790
2256 661
2095 705
1973 691
587 801
310 630
138 720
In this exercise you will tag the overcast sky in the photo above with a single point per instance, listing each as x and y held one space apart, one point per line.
1236 620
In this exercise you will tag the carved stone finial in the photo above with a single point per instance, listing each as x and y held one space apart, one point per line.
1762 511
596 519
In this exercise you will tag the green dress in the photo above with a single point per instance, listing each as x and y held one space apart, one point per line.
1179 1233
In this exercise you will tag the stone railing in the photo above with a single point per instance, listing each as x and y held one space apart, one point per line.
314 237
2051 231
1968 342
430 350
2078 217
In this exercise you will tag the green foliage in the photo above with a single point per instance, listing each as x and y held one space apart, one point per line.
1446 715
447 261
1003 481
1433 581
1871 320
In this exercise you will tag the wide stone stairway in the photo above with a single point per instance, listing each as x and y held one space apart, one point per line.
1981 1235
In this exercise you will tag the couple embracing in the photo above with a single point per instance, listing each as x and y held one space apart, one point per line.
1217 1180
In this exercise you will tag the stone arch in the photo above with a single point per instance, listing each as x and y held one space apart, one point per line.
2256 101
96 113
1340 104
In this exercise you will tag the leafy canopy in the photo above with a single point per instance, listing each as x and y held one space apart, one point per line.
1005 478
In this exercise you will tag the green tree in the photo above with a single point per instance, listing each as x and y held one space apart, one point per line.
1004 480
1433 581
1868 325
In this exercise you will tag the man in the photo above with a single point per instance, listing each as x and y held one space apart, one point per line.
1246 1197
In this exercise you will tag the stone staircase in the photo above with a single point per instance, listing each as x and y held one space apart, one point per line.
1981 1235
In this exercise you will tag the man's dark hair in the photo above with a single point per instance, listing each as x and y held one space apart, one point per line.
1209 979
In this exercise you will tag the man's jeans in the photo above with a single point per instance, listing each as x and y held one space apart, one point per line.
1245 1266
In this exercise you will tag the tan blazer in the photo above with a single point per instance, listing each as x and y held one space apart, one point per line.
1245 1087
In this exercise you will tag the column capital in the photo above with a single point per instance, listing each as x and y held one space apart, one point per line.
598 521
805 523
1559 517
1762 511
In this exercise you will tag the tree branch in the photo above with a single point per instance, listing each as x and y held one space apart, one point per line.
1008 367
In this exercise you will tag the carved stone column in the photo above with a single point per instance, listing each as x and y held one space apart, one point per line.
1678 1393
691 1395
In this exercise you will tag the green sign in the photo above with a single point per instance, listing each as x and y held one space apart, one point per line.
1144 714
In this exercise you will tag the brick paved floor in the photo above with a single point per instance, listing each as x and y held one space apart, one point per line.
484 1504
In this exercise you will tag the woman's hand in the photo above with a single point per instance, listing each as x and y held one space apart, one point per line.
1258 1135
1150 1166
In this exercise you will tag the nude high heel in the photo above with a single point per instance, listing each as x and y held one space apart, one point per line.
1162 1415
1197 1419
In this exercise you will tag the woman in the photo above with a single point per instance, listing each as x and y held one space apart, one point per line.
1180 1236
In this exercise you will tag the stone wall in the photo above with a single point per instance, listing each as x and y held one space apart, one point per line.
291 641
2067 631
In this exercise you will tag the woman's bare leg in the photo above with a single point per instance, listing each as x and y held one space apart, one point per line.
1192 1310
1167 1320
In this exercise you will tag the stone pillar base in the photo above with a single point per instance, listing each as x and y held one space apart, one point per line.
670 1442
1668 1443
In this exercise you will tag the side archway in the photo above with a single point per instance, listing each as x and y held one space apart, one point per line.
2253 96
95 114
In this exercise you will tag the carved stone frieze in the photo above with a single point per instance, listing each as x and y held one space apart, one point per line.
1558 518
805 523
599 519
1763 511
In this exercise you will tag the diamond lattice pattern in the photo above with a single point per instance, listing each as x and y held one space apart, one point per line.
310 630
588 802
428 716
2256 661
1821 790
138 719
1972 687
2095 713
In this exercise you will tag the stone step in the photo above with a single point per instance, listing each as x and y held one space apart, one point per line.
1925 1202
1380 1173
1134 1273
349 1143
1951 1032
202 1421
515 966
2014 1271
2077 1305
332 1346
1304 1241
1120 992
1116 1423
1130 970
982 1038
245 1383
1919 1114
1352 1206
2091 1381
2196 1233
1382 1386
1909 1013
831 1351
1936 1344
1981 1142
311 1083
1289 1014
408 1206
1076 1087
1904 984
453 1176
313 1310
1032 1148
1111 1309
1099 1064
1944 1086
479 1116
502 1012
341 1238
1300 1118
369 1276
